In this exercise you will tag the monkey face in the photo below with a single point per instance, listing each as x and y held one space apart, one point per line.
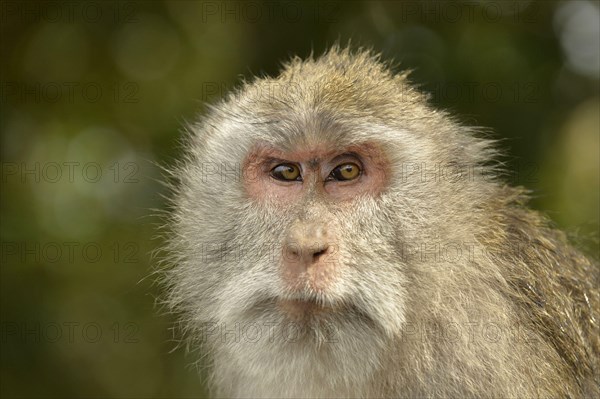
311 178
297 215
301 233
307 264
292 212
322 257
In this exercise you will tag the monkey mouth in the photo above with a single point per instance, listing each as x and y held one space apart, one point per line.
314 318
312 310
304 309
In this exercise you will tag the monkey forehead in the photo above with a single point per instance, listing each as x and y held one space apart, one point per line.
315 154
307 129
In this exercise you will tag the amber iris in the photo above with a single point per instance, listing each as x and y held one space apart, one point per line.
347 171
286 172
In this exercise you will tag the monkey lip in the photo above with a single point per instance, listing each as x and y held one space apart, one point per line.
309 312
300 309
304 304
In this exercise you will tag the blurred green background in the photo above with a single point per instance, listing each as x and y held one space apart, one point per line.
94 94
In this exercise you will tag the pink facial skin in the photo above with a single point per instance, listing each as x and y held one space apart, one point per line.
316 164
310 258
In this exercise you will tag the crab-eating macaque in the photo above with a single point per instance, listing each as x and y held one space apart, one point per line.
334 235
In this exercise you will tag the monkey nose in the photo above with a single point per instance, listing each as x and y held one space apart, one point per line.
307 243
309 256
305 253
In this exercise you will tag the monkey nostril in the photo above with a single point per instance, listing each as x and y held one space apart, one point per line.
317 255
293 255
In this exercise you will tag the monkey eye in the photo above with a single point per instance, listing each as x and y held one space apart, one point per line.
286 172
346 171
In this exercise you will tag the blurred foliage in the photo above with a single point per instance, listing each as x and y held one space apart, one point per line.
93 97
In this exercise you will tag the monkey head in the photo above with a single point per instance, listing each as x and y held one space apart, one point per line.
295 220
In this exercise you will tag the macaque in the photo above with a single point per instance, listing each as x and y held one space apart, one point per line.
334 235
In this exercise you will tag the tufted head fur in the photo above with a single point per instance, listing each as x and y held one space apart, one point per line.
444 283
